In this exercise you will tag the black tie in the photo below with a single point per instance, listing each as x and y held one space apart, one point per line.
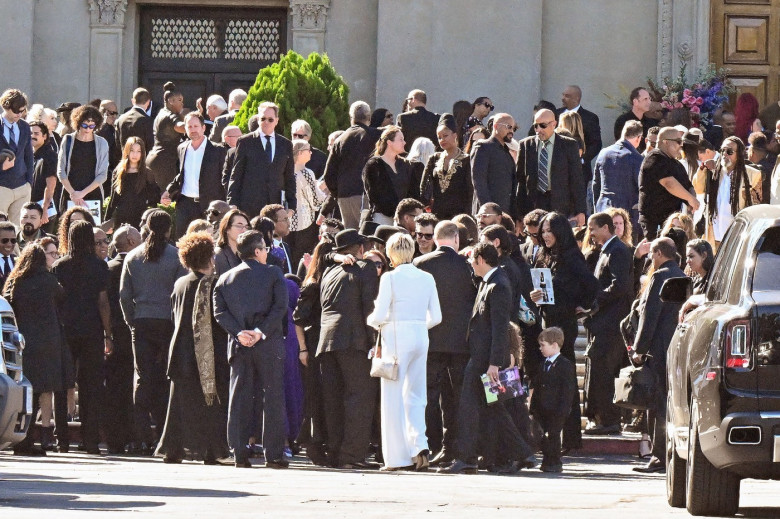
547 364
12 138
268 147
6 266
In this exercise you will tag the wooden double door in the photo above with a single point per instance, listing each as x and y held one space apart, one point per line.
210 50
745 38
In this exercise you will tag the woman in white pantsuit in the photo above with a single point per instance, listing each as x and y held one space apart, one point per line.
406 307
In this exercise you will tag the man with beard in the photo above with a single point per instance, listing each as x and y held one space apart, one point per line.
45 187
493 168
488 214
30 223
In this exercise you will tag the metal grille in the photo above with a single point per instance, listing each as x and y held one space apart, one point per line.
230 39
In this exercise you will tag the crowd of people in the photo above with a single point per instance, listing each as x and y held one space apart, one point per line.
233 296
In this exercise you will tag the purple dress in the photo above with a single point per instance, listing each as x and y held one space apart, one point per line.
293 385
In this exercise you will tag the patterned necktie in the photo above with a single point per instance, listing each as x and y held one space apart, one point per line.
268 147
544 182
279 253
12 138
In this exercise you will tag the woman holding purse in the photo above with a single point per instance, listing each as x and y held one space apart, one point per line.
406 307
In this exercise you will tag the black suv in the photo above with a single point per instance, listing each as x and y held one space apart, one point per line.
723 368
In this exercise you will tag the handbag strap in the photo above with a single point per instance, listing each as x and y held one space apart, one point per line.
392 310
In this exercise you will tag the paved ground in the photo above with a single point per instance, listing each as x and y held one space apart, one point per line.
70 485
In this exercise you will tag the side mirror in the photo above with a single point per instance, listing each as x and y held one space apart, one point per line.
676 290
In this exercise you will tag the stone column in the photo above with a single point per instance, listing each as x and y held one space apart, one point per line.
107 23
308 25
683 36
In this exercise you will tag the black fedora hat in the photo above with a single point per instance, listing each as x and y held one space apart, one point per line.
67 107
383 233
368 228
347 238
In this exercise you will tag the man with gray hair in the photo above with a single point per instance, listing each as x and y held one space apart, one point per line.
236 99
344 169
301 129
616 173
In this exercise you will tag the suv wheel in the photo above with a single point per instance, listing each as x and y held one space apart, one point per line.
675 467
709 491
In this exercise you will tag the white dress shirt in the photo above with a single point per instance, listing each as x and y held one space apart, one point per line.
193 159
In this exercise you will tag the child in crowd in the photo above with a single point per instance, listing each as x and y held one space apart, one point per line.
554 389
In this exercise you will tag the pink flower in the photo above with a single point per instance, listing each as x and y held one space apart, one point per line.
678 105
695 109
687 92
699 101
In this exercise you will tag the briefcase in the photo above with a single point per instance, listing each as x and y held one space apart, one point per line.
635 388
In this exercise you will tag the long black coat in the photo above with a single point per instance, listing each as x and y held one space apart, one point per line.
351 151
134 123
47 360
457 292
418 122
614 272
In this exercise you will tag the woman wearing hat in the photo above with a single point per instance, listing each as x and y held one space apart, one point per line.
446 183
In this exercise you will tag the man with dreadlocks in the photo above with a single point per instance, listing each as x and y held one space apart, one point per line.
728 189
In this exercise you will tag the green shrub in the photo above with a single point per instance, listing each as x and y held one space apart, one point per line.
308 89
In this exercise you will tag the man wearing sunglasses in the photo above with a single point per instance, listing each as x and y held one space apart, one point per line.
663 183
549 171
482 106
7 249
492 166
263 172
418 121
16 174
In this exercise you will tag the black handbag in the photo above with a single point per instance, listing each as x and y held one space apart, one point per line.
635 388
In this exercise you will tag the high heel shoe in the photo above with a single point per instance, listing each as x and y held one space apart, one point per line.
421 462
645 448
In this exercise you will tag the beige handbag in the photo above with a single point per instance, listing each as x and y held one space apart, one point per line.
381 366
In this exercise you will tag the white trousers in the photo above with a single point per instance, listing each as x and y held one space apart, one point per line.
404 400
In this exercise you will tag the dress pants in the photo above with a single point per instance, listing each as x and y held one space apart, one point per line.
12 200
262 365
445 382
151 340
350 207
187 210
301 242
572 429
87 351
658 414
403 400
602 365
118 404
494 421
551 440
61 430
349 398
650 229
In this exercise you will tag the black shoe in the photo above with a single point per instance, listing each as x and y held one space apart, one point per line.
529 462
171 459
93 449
277 464
63 448
244 464
116 450
316 454
602 430
421 462
654 466
556 467
360 465
32 450
513 467
442 458
459 467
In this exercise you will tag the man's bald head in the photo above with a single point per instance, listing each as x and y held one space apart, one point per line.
503 127
544 123
571 97
126 238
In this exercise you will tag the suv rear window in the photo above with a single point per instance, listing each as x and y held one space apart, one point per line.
765 275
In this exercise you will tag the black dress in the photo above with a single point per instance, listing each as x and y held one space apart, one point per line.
190 423
138 193
81 171
449 192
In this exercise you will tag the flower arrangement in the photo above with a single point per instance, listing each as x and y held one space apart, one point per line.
702 98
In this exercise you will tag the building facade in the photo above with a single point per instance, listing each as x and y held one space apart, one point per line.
514 51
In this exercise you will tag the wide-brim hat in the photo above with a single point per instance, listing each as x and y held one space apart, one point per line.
67 107
349 237
384 232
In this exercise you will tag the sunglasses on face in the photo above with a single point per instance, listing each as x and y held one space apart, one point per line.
482 216
6 240
379 265
88 126
109 112
508 126
425 235
727 151
299 135
543 126
267 119
20 110
488 106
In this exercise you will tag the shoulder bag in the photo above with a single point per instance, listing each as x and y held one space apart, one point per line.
385 366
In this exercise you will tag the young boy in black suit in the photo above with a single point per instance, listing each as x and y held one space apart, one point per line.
554 388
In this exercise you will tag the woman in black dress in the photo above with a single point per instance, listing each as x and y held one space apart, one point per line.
34 294
446 185
83 159
133 190
699 260
387 176
168 134
197 362
574 289
231 226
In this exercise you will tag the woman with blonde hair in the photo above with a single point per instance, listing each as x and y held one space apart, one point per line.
680 221
386 176
133 190
573 122
406 307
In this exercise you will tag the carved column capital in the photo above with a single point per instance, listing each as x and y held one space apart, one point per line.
109 13
309 14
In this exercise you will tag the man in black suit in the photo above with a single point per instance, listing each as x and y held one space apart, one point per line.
199 180
657 323
549 172
529 249
250 303
418 121
347 294
280 250
135 122
119 370
571 98
344 169
605 352
7 250
448 350
488 339
235 100
493 169
263 172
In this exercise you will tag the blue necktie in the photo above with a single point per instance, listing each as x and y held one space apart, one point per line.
544 181
547 365
268 147
12 138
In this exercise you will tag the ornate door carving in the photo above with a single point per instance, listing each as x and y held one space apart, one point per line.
745 36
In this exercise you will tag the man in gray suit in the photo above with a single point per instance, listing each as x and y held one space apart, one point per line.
250 302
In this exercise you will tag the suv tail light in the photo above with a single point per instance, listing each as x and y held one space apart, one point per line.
738 347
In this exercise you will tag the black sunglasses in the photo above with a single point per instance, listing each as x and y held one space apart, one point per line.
109 112
426 235
19 111
299 135
542 125
379 264
488 105
728 151
269 119
6 240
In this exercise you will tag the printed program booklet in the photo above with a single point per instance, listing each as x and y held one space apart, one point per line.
509 385
542 279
